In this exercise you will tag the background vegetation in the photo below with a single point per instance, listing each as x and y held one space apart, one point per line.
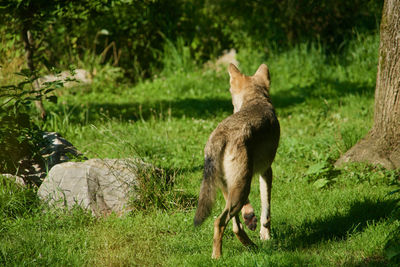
152 96
132 34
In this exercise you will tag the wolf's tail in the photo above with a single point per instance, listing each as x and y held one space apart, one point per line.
207 192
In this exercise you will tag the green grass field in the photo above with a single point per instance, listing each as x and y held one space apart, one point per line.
321 216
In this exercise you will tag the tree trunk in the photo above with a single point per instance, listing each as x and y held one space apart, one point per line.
29 50
382 144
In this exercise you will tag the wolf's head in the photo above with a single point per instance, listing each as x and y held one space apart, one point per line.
244 88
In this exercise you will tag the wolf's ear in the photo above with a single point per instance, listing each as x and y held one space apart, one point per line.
233 71
263 74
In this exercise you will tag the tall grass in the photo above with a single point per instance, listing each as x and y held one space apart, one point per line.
15 200
176 58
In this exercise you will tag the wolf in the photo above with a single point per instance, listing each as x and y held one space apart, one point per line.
242 145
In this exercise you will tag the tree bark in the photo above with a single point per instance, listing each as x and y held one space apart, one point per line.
382 144
29 50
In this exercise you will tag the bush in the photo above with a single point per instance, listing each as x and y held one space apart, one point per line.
20 138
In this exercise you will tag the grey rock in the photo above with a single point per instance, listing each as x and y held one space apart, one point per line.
80 76
221 63
102 186
15 178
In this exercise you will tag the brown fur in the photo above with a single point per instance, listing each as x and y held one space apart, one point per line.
243 144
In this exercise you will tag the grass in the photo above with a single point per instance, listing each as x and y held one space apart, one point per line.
321 216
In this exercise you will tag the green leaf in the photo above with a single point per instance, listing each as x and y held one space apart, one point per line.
321 183
316 168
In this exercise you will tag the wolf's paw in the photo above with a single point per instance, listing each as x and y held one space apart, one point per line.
250 220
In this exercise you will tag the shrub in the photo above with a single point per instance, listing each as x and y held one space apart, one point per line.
20 138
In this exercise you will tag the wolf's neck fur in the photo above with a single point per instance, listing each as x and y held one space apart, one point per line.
259 94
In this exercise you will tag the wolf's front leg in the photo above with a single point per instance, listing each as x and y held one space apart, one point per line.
265 192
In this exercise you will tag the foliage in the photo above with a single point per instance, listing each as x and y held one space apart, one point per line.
20 138
133 34
37 21
282 22
321 174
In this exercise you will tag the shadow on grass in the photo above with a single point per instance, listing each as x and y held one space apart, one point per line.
332 90
338 227
134 111
208 107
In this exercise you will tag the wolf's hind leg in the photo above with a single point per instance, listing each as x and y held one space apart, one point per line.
219 228
235 198
240 233
250 219
265 192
